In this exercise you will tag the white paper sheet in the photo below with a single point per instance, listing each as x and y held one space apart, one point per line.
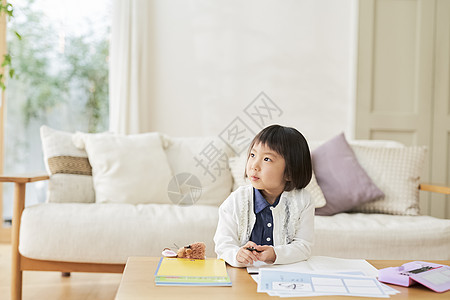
387 289
290 283
323 264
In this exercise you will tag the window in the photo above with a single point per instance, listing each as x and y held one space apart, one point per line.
62 80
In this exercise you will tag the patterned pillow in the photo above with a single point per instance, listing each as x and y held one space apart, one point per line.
237 166
396 171
68 167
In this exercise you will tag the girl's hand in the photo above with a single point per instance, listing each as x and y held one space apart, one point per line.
245 256
266 255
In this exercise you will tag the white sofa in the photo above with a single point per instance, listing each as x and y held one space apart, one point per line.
73 232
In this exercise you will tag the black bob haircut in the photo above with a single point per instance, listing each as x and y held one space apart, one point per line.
293 147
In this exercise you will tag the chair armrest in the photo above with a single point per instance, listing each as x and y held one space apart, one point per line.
434 188
24 178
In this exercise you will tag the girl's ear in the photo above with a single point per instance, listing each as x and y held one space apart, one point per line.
287 177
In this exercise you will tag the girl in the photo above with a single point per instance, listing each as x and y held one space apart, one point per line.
271 220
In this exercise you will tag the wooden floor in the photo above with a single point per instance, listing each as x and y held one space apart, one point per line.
50 285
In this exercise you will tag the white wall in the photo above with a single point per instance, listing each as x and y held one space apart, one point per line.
214 57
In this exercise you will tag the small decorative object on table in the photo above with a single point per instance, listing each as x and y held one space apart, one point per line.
192 251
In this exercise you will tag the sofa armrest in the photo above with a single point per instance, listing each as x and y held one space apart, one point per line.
20 182
434 188
24 178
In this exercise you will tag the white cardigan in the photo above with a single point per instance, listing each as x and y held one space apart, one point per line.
293 226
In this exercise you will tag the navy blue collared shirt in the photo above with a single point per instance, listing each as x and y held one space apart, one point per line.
262 233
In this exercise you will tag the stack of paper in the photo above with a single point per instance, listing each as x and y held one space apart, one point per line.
192 272
321 275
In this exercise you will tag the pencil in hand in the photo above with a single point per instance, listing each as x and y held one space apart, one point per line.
252 249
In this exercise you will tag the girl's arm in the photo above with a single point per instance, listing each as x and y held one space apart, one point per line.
226 238
300 248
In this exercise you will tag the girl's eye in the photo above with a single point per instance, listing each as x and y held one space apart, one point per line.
267 159
252 155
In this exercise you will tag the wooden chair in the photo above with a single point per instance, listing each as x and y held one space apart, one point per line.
21 263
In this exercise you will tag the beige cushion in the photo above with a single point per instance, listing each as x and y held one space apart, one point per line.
396 171
127 168
237 166
201 164
68 166
316 192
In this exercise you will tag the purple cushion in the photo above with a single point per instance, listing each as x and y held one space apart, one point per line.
343 181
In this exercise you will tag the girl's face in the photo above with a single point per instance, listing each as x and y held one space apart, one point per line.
265 169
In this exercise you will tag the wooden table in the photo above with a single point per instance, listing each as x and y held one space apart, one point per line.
138 282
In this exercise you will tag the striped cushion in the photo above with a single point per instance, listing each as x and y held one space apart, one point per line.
69 168
69 165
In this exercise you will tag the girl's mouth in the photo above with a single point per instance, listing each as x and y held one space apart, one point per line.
254 178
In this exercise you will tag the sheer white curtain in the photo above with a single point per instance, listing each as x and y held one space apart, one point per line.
131 66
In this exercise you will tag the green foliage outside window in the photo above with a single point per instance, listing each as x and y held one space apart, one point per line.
49 78
60 78
7 10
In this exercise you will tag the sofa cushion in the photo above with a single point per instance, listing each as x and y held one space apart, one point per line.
68 167
381 236
237 166
316 192
110 233
127 168
343 181
397 172
203 161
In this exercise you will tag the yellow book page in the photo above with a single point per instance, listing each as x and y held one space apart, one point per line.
192 267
